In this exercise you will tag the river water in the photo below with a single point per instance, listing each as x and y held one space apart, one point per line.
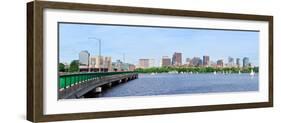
167 84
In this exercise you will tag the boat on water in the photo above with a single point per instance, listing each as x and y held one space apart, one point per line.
252 73
172 72
215 72
239 72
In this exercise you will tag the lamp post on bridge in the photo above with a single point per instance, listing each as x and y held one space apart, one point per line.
99 50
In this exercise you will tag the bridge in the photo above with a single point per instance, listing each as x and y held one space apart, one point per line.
81 85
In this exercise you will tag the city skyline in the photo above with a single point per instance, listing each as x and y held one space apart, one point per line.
86 59
156 43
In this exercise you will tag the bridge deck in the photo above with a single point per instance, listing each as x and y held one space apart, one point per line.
77 90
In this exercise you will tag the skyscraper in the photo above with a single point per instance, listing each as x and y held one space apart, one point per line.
151 63
230 62
84 58
246 62
188 61
238 62
166 61
196 61
143 63
200 62
220 63
177 59
206 61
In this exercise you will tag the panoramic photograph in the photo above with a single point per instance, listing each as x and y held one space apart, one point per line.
102 60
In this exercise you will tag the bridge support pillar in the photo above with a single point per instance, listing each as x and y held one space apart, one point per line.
109 85
98 89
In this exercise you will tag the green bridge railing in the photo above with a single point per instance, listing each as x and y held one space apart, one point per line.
69 80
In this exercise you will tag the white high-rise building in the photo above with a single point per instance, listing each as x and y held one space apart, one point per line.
151 63
84 58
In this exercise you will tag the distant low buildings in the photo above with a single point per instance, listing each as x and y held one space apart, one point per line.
143 63
120 66
117 66
132 67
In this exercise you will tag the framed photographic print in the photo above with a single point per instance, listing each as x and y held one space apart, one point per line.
90 61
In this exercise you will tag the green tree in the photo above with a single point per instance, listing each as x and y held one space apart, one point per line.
256 69
61 67
195 69
74 66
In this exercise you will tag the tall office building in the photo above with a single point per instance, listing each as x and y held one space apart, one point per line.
206 61
151 63
187 61
220 63
84 58
177 59
238 62
166 61
246 62
230 62
143 63
196 61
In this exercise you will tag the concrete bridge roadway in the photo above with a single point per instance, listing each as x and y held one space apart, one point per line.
75 86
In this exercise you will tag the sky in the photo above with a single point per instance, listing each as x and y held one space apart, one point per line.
135 42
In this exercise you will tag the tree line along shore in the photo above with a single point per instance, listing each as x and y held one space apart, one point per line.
197 70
